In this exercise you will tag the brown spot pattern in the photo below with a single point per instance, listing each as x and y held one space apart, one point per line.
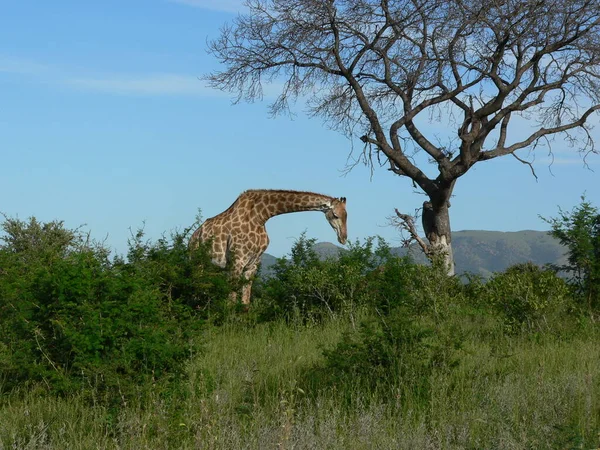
241 227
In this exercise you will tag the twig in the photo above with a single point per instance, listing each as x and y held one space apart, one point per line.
407 223
35 334
527 163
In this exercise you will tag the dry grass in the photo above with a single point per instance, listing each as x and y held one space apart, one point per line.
246 390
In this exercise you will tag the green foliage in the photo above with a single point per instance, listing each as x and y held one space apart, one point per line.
366 275
579 231
526 294
387 348
396 349
183 276
506 392
419 288
72 317
399 341
407 337
304 286
38 241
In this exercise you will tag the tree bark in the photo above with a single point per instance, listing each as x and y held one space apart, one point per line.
436 224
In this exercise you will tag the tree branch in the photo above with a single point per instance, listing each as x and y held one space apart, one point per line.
522 161
501 151
370 67
407 223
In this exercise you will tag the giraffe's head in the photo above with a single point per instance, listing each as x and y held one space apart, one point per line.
336 216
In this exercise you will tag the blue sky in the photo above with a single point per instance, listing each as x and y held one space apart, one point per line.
104 122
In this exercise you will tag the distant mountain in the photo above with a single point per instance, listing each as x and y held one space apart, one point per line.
476 251
327 250
485 252
266 263
323 249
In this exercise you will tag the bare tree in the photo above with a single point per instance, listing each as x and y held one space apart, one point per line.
374 69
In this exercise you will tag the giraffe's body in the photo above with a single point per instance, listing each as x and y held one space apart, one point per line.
240 230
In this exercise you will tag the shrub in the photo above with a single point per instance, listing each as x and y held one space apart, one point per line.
72 317
401 343
525 294
579 231
399 282
308 287
399 349
365 276
184 277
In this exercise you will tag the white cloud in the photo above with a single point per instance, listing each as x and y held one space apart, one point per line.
21 66
590 160
230 6
165 84
156 84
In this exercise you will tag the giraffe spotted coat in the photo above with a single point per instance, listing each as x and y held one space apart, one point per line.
239 235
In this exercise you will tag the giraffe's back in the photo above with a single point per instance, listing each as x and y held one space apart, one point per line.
235 230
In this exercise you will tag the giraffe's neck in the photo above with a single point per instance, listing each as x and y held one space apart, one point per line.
269 203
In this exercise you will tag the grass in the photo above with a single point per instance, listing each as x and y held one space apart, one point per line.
376 353
253 386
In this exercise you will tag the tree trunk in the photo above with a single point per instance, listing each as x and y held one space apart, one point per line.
436 224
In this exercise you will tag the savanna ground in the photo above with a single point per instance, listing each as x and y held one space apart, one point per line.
368 351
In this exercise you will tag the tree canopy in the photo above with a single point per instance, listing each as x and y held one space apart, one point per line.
373 68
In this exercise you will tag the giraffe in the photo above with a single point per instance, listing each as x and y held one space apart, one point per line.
240 229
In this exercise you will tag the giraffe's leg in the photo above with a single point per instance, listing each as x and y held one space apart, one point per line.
246 271
234 270
249 273
237 271
246 263
252 265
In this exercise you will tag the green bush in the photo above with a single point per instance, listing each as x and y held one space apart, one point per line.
400 343
398 349
399 282
183 277
526 294
364 276
307 287
579 231
73 318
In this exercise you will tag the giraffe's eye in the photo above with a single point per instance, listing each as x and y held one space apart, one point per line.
335 216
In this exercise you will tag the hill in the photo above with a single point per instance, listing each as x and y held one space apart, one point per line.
475 251
485 252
